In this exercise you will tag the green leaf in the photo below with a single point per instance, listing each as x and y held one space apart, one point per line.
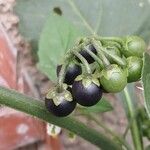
146 81
105 17
34 13
102 106
57 37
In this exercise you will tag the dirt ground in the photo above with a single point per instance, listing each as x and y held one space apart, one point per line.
115 120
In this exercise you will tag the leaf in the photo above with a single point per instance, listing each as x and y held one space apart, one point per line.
146 81
102 106
106 17
57 37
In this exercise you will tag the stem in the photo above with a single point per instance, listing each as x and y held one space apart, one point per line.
129 125
116 39
83 60
62 76
110 43
121 140
36 108
116 58
101 54
94 57
134 126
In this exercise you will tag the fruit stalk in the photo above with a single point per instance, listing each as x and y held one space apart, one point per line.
83 60
94 57
100 53
134 126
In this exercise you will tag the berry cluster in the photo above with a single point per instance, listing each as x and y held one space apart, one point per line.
93 66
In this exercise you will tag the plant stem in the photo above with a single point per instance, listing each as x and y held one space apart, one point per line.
115 39
116 58
36 108
83 60
101 54
94 57
121 140
61 76
134 126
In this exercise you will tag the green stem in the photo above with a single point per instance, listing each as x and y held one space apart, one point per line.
115 39
129 125
121 140
94 57
83 60
36 108
61 76
100 53
136 137
115 58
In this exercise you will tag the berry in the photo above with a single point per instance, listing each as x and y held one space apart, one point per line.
73 70
86 55
113 79
134 65
134 46
87 91
60 104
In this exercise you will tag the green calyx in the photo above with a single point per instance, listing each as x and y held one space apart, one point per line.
88 80
113 79
58 97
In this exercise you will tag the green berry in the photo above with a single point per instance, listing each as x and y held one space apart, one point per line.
113 78
134 46
134 65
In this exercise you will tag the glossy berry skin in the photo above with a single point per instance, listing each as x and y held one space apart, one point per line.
86 55
113 79
134 65
86 96
134 46
63 109
72 72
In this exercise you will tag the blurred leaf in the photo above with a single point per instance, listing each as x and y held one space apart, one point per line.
106 17
57 36
102 106
146 81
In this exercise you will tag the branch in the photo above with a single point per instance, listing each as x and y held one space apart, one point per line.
36 108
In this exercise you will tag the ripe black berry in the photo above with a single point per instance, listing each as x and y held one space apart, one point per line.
61 104
72 72
87 56
86 93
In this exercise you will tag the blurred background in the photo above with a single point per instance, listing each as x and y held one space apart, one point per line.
21 22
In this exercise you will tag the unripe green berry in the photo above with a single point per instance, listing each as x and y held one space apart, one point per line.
134 65
134 46
113 78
